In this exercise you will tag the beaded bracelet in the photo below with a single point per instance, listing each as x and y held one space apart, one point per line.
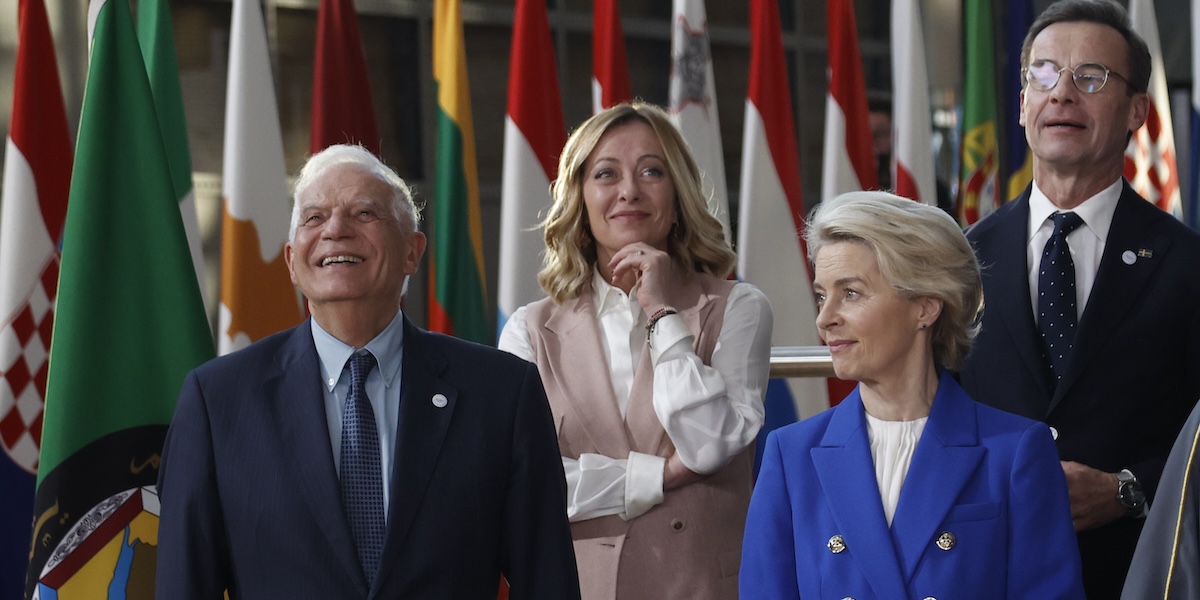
656 317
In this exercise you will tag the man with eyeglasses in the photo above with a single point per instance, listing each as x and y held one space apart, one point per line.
1112 361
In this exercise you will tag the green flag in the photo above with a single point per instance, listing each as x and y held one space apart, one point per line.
129 326
158 50
979 186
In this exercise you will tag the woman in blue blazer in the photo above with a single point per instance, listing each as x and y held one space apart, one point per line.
907 488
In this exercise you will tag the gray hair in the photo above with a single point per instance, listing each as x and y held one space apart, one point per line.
403 205
921 251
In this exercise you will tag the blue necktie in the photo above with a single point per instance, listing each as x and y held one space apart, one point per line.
362 475
1056 295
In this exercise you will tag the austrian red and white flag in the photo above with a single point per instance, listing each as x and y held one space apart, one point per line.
693 102
257 295
534 134
771 252
1150 164
849 161
610 68
37 176
912 129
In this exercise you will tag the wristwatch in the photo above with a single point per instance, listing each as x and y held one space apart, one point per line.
1130 494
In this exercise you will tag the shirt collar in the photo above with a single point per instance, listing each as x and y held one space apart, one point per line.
333 353
607 297
1096 212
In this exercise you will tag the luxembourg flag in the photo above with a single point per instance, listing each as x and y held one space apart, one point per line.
693 100
912 169
771 252
1150 157
534 134
610 69
849 162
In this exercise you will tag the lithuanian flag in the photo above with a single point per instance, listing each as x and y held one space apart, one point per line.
456 278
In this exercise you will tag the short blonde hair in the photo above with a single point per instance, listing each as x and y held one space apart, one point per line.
697 243
921 251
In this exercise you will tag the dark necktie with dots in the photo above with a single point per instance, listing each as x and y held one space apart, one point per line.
1056 294
361 473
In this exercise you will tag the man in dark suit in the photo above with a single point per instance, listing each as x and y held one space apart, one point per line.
1111 365
356 455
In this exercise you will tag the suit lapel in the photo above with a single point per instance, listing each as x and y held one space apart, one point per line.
1008 294
946 458
298 413
847 474
420 432
575 326
1118 283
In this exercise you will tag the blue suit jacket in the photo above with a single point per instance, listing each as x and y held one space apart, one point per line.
989 478
251 500
1134 374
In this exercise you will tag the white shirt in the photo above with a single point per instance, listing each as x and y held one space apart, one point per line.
711 413
1086 242
892 447
383 390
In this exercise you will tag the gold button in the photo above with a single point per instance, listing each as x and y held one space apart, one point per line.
837 544
946 541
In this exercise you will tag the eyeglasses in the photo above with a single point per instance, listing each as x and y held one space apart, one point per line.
1043 75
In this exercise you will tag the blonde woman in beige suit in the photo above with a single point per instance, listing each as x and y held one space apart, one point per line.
655 365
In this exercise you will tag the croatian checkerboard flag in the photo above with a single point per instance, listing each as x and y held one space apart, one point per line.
693 100
534 134
1150 157
771 252
37 176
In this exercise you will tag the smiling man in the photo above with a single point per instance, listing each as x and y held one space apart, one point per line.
1093 304
356 455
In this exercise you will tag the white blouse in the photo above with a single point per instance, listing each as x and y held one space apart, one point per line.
892 447
711 413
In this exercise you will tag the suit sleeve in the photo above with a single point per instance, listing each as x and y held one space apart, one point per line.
1040 510
538 556
192 547
769 568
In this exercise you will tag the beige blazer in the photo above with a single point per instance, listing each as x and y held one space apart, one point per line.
690 545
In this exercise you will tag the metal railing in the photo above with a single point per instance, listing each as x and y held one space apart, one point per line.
801 361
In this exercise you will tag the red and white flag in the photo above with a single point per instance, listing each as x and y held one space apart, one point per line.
1150 164
849 161
771 252
37 176
610 69
342 110
257 295
693 100
534 134
912 129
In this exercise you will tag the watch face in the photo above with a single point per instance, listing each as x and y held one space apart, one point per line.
1131 495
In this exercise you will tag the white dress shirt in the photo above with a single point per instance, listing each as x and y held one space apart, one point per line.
711 413
1086 242
383 390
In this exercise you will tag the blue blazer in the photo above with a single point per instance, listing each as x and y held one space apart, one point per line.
1134 374
251 500
988 478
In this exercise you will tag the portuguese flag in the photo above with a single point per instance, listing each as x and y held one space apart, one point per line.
456 279
979 186
129 326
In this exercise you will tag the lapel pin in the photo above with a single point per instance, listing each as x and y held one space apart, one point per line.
1128 257
837 544
439 400
1144 253
946 540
